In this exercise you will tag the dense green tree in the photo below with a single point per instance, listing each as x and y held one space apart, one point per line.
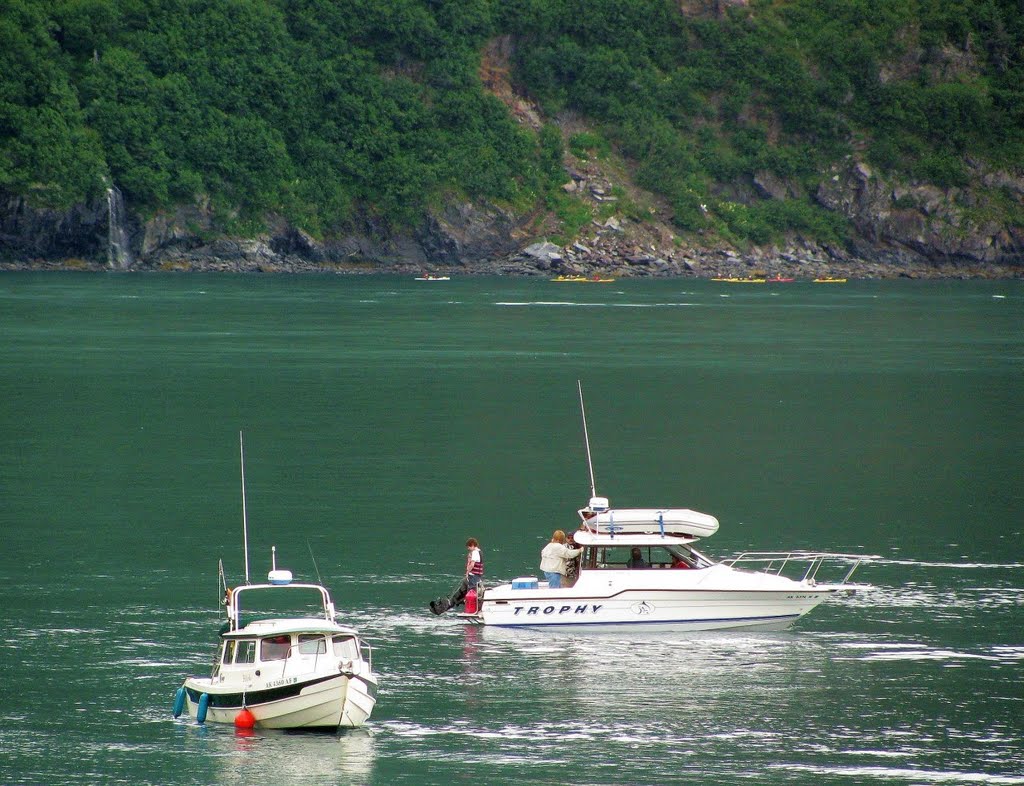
320 110
47 152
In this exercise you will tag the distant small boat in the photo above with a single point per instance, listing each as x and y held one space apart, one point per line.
584 279
429 277
830 281
742 280
780 280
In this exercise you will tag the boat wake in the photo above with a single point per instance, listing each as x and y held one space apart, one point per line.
574 304
954 565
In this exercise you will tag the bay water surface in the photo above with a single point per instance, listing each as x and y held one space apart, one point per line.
387 420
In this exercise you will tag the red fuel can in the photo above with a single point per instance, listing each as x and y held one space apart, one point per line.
471 602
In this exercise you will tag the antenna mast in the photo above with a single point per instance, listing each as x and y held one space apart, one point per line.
586 440
318 579
245 521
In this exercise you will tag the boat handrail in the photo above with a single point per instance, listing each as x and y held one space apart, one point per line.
363 645
234 606
776 561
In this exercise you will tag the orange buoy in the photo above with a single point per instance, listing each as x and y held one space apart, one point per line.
245 719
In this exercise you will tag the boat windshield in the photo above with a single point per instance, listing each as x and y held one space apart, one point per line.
346 647
626 557
236 651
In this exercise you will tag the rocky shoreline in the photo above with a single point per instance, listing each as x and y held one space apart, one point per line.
467 238
605 258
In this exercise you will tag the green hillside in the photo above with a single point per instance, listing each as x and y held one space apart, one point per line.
319 110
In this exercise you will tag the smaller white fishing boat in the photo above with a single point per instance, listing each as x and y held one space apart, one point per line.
431 277
308 672
301 669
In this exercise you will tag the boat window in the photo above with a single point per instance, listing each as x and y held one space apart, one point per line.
246 651
617 557
275 647
311 644
346 647
672 557
682 558
229 651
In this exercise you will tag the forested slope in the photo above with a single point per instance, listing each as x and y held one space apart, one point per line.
889 126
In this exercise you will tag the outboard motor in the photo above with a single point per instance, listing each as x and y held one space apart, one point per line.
441 605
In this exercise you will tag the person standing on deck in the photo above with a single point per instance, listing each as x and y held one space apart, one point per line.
474 563
553 559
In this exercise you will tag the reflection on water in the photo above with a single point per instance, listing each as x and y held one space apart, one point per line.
842 696
294 758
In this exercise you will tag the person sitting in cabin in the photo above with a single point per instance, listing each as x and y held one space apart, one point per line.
679 562
554 558
636 559
474 564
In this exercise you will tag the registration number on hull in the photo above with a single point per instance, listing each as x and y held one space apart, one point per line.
279 683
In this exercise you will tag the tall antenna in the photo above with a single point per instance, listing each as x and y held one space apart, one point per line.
318 579
586 440
245 520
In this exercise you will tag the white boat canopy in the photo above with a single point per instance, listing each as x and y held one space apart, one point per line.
660 521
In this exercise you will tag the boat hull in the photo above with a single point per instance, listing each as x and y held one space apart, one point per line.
689 610
318 703
716 598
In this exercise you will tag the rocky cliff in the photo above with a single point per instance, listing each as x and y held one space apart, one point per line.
898 229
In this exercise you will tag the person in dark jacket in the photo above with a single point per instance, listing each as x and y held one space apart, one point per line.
636 559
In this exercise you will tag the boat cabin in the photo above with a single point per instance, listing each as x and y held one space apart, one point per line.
249 651
638 550
626 556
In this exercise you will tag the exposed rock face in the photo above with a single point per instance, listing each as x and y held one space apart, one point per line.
900 228
51 234
466 232
461 233
896 222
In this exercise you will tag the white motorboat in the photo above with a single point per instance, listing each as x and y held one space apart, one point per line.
672 583
307 672
284 661
675 584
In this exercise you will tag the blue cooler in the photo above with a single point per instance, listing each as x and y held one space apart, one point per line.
524 582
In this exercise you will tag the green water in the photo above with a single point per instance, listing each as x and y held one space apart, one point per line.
387 420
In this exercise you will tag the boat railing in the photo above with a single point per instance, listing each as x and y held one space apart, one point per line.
286 659
807 563
233 600
366 651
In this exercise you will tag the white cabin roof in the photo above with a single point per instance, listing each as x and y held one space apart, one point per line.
287 626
